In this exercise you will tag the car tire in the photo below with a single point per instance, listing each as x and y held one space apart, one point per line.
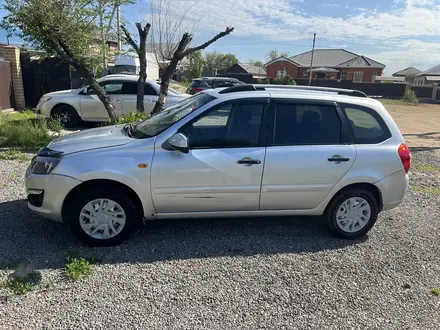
352 213
110 202
67 115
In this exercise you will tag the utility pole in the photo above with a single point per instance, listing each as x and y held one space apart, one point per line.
118 18
311 62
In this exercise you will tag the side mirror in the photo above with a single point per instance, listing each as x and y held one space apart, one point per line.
179 142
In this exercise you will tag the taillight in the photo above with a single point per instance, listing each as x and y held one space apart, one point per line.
405 156
196 89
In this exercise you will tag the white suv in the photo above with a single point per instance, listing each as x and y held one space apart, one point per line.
71 106
248 150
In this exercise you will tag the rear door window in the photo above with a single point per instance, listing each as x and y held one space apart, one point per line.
201 83
366 125
305 124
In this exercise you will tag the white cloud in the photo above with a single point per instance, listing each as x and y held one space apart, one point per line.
285 20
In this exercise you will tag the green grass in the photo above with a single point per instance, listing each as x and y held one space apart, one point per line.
130 118
14 154
78 268
397 102
22 285
24 130
436 292
425 167
431 190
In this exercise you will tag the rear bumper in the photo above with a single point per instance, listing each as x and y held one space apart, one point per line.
393 189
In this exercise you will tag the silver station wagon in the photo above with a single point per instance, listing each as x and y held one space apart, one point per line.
247 150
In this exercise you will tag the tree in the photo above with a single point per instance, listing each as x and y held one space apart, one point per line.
218 61
65 28
256 63
196 64
274 54
141 51
286 80
410 78
173 32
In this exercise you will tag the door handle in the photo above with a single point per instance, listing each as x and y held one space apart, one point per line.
117 100
338 159
248 161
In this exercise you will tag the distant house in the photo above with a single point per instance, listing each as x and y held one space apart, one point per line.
407 72
327 64
248 69
429 76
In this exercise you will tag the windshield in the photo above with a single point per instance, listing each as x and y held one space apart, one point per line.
160 122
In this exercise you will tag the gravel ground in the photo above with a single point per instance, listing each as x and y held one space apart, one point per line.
280 273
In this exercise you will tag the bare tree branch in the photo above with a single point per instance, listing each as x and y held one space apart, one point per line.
130 40
206 44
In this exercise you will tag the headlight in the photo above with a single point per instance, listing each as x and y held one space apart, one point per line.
45 99
43 165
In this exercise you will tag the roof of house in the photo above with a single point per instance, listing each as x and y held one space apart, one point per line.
408 71
434 71
252 69
334 58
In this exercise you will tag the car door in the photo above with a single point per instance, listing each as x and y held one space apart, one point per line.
308 153
224 166
130 97
92 108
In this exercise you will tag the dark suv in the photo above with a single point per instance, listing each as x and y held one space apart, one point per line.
199 84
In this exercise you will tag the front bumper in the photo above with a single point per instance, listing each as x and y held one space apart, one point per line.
49 191
43 109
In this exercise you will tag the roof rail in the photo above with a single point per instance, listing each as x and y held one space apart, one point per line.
341 91
255 87
241 88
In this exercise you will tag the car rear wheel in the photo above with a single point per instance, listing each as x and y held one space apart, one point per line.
101 217
352 213
66 115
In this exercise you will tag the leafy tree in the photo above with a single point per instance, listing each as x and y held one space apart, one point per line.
219 61
286 80
196 64
256 63
65 28
274 54
410 78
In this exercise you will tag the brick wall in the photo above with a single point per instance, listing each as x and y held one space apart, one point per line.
271 69
12 55
368 73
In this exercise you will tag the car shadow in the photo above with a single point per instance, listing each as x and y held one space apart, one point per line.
27 238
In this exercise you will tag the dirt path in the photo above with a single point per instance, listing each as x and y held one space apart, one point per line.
419 124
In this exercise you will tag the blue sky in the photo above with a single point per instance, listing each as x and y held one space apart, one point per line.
398 33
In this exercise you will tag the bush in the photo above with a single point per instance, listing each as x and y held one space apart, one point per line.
410 97
286 80
185 81
130 118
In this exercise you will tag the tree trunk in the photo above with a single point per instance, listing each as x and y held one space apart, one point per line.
164 85
141 51
181 51
143 65
103 97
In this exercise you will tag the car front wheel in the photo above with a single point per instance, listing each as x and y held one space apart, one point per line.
352 213
101 217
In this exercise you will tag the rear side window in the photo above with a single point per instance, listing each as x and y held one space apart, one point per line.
201 83
131 89
366 125
306 124
222 83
